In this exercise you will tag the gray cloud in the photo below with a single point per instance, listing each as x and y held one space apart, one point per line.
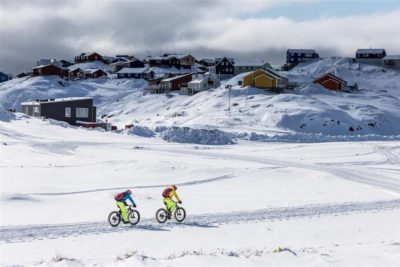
61 29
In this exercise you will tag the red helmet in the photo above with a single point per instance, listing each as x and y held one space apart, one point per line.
174 187
128 191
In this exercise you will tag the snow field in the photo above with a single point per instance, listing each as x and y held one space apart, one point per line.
330 203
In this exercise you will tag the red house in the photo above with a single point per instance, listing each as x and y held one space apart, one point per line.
175 83
88 57
46 70
332 82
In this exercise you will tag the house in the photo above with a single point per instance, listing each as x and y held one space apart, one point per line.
76 73
264 79
224 67
207 62
186 61
64 63
4 77
117 66
241 67
332 82
370 56
295 56
392 62
93 73
175 83
22 74
135 63
46 70
164 62
88 57
153 86
202 82
135 73
70 110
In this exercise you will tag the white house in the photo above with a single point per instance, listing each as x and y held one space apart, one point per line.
136 73
203 82
391 62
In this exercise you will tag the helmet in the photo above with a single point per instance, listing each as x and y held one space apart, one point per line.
128 191
174 187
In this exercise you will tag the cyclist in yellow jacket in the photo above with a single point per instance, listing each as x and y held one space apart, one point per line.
169 203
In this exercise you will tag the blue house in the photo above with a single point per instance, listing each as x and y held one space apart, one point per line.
294 56
4 77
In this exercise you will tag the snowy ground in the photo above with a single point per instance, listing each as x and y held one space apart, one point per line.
335 204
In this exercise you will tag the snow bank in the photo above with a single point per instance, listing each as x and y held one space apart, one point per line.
314 138
140 131
6 115
197 136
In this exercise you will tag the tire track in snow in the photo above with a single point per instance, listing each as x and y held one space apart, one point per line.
27 233
391 157
189 183
353 175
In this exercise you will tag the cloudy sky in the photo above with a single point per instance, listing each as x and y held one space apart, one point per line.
244 29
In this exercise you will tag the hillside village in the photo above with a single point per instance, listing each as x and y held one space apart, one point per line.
185 76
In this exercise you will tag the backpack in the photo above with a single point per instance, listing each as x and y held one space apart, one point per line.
119 196
166 192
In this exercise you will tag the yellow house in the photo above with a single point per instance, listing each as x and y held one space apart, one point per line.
261 79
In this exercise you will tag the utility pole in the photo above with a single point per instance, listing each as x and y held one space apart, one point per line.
229 99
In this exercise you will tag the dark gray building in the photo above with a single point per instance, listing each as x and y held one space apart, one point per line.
372 56
224 67
295 56
4 77
70 109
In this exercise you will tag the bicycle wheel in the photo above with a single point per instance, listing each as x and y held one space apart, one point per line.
180 214
114 218
133 217
161 215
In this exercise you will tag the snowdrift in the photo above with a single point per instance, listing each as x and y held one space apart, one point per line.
6 115
197 136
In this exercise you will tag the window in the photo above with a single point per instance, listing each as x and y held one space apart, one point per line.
68 112
82 112
35 109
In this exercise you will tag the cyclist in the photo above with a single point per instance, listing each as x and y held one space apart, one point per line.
169 203
121 199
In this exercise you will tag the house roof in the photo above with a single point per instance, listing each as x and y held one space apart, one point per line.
273 73
178 56
392 57
77 69
218 60
333 76
175 77
91 71
45 101
370 51
132 70
301 51
89 54
263 72
133 60
43 66
118 63
162 57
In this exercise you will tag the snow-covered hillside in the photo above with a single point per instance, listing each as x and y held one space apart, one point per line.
307 113
323 204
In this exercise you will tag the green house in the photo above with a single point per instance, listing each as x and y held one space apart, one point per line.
241 67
